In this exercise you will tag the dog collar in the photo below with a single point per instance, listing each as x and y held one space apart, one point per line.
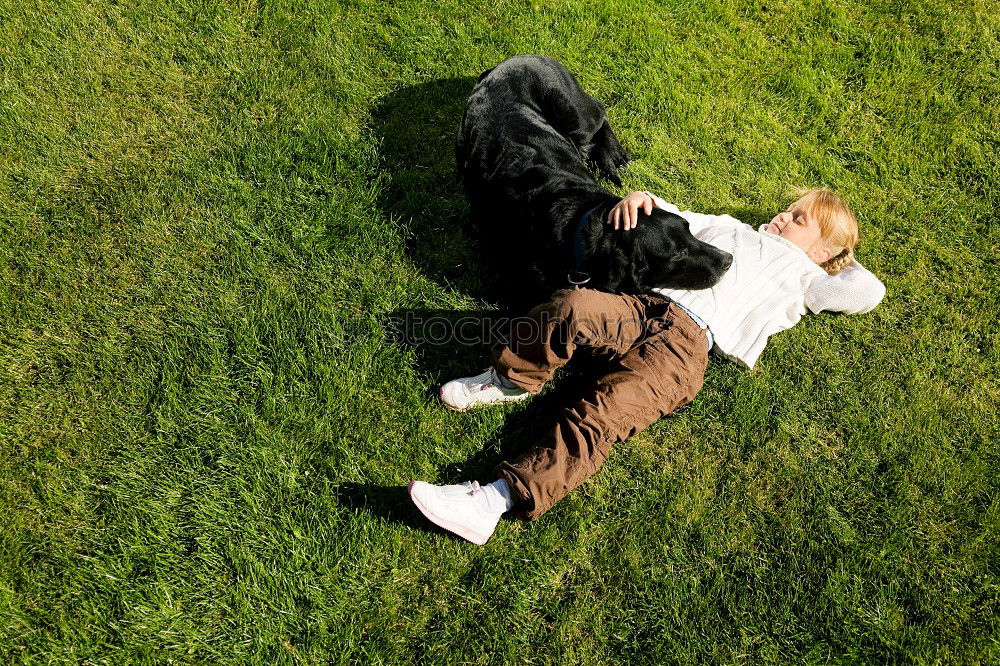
579 275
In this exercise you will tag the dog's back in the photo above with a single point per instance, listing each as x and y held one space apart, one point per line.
528 122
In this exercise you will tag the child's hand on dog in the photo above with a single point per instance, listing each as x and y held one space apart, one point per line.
626 212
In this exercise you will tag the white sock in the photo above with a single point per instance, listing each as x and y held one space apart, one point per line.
498 499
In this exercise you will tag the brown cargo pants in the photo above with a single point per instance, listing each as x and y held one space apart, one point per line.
657 359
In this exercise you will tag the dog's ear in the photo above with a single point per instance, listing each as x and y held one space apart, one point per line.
617 270
638 272
655 262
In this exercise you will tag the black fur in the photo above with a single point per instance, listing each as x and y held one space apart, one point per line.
528 134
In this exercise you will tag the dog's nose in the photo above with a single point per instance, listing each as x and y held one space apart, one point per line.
727 261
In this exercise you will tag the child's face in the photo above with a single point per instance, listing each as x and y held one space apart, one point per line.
796 225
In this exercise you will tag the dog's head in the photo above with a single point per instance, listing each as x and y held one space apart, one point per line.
662 252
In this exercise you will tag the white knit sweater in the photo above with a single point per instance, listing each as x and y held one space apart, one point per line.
770 285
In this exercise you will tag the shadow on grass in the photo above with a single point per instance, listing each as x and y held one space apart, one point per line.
454 343
391 503
416 127
447 343
521 429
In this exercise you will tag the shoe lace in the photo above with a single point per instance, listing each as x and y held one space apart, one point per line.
492 381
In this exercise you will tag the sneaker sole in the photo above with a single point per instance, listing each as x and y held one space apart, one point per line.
468 535
478 405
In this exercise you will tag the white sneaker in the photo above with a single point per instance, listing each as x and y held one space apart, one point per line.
484 389
461 509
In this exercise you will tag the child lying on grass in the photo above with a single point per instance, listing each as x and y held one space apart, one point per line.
657 344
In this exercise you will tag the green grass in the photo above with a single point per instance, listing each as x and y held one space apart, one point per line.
210 209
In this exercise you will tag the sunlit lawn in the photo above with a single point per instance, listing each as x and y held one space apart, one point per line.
209 211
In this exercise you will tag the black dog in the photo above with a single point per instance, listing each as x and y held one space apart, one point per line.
527 135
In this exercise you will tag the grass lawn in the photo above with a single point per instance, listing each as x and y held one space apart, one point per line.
210 210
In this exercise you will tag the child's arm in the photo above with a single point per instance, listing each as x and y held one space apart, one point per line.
853 290
626 213
696 221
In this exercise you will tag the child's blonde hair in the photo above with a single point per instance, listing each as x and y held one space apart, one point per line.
837 224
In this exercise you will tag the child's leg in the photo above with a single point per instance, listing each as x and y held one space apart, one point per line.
546 338
659 374
660 357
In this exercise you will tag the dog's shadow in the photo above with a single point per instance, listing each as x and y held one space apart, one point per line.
416 127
